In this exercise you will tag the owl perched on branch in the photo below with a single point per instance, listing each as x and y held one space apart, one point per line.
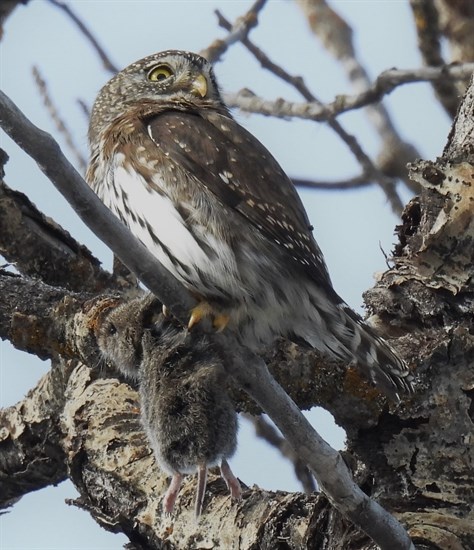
217 210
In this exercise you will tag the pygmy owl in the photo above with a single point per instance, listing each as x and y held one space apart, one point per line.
217 210
186 412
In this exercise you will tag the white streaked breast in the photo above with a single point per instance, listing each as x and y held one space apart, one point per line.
159 212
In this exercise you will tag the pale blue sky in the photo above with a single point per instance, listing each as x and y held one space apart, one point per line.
350 227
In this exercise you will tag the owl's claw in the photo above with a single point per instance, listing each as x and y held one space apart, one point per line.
202 310
220 322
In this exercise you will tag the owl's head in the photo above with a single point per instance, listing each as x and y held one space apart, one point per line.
168 79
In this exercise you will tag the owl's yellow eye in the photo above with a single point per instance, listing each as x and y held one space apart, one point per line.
160 72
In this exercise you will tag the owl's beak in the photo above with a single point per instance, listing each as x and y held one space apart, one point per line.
199 86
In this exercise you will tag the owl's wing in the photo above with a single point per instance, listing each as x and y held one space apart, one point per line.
241 172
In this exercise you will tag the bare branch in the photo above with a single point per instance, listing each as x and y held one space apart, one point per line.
107 63
58 121
268 433
385 182
385 83
249 370
239 30
336 35
390 79
84 108
352 183
426 18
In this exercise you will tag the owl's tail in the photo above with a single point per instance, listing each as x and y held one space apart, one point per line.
344 335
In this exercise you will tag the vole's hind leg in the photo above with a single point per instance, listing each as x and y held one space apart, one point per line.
201 488
232 482
172 492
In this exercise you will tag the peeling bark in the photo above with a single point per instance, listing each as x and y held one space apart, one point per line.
31 456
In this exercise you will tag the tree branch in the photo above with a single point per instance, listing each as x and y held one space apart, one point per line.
245 367
268 433
57 120
107 63
352 183
38 247
31 456
426 18
239 30
298 83
385 83
336 35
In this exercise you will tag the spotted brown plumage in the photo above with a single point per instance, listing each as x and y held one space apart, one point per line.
213 205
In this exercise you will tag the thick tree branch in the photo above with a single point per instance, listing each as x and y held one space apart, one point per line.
31 456
461 138
245 367
434 263
47 321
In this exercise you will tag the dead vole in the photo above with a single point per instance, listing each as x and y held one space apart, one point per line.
186 412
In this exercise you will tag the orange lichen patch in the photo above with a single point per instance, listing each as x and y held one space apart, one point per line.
96 308
168 531
356 385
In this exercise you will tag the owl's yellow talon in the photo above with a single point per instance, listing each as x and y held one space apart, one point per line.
202 310
165 310
220 322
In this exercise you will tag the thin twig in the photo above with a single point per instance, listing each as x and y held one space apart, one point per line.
106 61
238 31
268 433
58 121
249 370
351 183
386 183
337 37
385 83
84 108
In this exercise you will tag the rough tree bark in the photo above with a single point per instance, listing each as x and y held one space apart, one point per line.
417 458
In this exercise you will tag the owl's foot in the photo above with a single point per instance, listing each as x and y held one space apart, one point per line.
204 309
